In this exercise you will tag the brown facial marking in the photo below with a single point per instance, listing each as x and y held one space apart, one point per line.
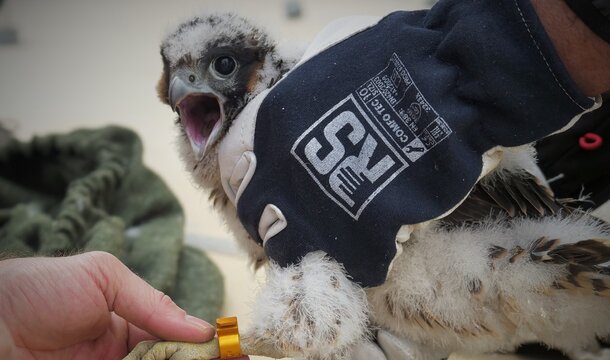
253 77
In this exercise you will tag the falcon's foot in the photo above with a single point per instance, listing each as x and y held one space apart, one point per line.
162 350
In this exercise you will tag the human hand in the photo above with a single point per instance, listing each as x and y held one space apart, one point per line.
585 55
88 306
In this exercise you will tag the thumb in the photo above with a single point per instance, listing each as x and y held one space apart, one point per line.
142 305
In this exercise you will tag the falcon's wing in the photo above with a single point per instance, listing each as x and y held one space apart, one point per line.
508 194
514 195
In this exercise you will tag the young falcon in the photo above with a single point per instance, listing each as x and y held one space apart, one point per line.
509 265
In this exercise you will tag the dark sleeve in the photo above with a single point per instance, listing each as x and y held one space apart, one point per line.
575 171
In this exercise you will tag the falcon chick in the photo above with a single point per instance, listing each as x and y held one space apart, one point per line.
510 265
212 67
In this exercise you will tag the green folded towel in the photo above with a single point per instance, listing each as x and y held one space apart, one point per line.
89 190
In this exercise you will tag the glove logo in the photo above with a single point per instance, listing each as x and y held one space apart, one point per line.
348 157
360 145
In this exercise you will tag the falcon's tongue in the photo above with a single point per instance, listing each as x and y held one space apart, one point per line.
201 118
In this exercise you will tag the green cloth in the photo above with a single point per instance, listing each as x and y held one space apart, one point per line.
89 190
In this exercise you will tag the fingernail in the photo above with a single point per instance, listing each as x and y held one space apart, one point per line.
198 322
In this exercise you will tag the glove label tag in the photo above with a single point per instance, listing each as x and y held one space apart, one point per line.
402 111
361 144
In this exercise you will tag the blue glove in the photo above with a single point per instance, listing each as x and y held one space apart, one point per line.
390 125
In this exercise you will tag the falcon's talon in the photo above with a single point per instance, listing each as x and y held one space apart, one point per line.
140 350
175 350
164 350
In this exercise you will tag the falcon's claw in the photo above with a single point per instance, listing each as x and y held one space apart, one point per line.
164 350
139 351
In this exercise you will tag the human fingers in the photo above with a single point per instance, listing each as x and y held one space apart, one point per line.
140 304
50 303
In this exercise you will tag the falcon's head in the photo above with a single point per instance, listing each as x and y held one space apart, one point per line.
212 67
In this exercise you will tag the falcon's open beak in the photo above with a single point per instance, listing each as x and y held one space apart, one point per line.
200 110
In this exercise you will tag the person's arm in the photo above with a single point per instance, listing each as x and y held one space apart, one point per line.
585 55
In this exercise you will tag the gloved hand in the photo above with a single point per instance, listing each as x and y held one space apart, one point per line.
392 123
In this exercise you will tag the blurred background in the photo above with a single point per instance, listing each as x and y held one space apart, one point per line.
68 64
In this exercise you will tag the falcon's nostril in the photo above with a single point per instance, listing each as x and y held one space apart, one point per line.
192 78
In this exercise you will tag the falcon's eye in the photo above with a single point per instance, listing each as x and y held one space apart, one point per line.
224 65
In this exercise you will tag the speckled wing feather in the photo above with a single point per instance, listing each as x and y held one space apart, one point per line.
506 194
514 195
586 263
588 266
